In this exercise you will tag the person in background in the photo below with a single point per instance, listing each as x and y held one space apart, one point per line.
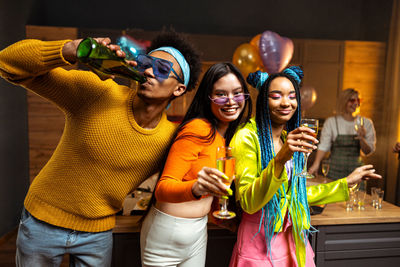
275 200
114 138
346 136
174 233
396 148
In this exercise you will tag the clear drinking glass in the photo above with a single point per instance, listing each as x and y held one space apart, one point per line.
361 199
361 194
358 122
350 202
380 199
325 168
225 164
312 124
374 196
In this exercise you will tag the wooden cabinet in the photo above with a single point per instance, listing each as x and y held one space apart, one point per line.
126 249
358 238
358 245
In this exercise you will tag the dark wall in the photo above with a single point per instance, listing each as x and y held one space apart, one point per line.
316 19
319 19
14 158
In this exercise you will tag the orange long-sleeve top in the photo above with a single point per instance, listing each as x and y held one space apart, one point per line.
187 156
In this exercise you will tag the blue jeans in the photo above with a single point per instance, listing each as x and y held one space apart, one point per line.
43 244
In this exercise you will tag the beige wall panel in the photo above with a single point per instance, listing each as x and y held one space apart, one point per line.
322 51
365 52
325 80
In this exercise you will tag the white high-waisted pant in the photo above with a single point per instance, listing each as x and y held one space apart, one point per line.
166 240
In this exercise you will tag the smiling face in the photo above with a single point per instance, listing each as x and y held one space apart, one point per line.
352 104
168 88
281 100
227 86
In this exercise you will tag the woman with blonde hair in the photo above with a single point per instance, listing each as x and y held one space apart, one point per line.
346 135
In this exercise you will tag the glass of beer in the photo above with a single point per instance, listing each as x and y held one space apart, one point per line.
225 164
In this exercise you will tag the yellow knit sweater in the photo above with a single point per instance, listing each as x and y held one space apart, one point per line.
102 155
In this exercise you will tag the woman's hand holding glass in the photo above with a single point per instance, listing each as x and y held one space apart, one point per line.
359 127
210 182
226 163
301 139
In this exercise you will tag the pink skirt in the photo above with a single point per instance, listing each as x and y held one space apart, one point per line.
251 250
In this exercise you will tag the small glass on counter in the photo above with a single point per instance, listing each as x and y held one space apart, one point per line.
374 196
380 194
351 201
361 194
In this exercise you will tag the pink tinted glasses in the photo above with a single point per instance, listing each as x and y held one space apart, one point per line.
224 99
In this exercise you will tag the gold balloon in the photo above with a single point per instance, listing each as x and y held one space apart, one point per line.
256 41
247 59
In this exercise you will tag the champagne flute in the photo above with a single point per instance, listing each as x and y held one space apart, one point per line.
358 123
225 164
325 168
312 124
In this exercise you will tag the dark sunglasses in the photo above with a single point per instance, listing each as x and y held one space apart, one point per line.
224 99
161 67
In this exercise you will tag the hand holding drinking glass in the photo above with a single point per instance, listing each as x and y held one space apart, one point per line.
225 164
313 125
358 123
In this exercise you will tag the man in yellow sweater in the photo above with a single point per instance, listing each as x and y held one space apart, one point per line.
114 138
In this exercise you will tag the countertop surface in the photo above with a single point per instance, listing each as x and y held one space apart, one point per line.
333 214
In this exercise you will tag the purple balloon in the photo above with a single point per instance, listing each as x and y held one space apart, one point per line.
275 51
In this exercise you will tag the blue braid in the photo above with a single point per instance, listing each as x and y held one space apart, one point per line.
257 79
271 212
294 72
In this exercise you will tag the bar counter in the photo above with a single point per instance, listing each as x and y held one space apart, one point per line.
344 238
336 213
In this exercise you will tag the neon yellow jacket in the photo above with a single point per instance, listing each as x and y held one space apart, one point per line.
255 187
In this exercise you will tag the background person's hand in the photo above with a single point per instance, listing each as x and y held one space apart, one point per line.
396 148
365 172
361 132
313 169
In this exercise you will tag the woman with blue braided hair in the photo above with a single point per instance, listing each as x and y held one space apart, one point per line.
276 218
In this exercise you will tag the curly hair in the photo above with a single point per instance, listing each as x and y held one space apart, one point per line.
179 41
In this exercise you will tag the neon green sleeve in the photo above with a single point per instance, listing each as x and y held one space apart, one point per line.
336 191
255 187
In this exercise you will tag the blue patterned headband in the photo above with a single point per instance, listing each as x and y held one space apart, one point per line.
179 58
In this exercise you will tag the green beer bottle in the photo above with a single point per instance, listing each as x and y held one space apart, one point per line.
103 60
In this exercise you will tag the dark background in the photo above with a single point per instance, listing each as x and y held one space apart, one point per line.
364 20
